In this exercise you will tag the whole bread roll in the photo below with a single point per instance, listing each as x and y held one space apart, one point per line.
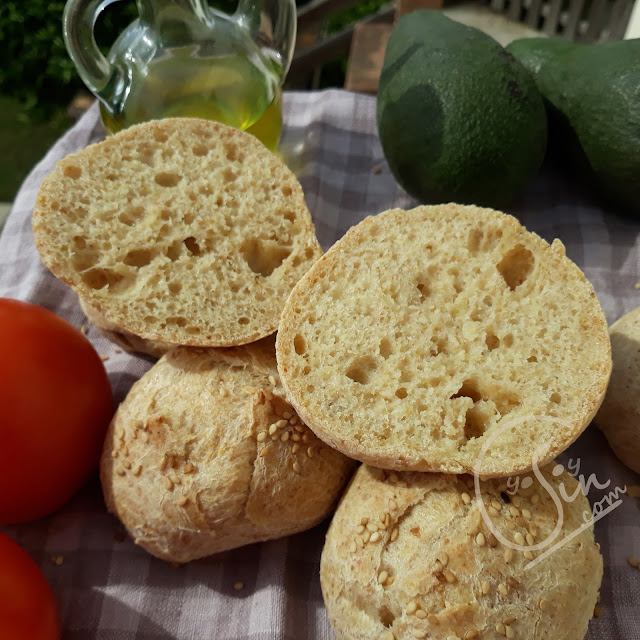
410 555
205 455
430 339
179 230
619 415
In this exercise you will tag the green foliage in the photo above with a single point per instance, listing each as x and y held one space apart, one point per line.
343 19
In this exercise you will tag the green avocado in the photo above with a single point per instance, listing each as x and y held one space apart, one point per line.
459 118
594 90
534 53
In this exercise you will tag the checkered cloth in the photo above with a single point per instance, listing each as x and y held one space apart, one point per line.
107 588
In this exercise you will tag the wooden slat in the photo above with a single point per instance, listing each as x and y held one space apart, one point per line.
497 5
515 9
551 21
575 14
597 20
366 57
620 16
407 6
533 14
306 60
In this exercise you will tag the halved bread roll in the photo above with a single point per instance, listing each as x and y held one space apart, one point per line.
180 230
446 338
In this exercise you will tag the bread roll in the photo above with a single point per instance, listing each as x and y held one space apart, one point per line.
424 335
410 555
619 416
205 455
179 230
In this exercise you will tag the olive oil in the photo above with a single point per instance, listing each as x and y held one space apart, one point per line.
230 89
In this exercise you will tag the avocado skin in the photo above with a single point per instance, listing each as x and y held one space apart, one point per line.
596 88
459 118
534 53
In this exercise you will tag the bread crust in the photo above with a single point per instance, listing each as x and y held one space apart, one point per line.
192 464
179 230
409 555
415 338
619 415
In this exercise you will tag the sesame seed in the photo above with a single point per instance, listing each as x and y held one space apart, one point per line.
295 437
466 498
513 511
83 330
509 620
104 358
597 611
264 451
360 529
542 605
510 633
402 483
432 618
634 562
375 537
306 438
294 448
223 392
480 539
238 586
57 560
352 547
189 468
449 576
511 582
526 514
421 614
121 472
286 415
127 465
508 555
163 463
296 466
364 521
371 526
533 529
272 381
394 534
516 500
500 629
530 540
382 577
272 429
168 483
472 634
535 499
285 436
366 536
138 470
485 586
412 607
281 424
175 479
520 521
444 558
114 453
299 428
496 505
518 538
438 566
418 633
493 511
275 437
293 420
502 589
182 501
393 504
511 525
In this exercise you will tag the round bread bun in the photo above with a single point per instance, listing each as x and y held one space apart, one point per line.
619 415
179 230
192 464
424 337
128 341
410 555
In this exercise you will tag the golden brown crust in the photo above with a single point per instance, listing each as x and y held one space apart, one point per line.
619 416
178 230
409 555
193 465
421 334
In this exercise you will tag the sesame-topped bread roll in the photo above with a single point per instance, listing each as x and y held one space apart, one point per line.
180 230
411 556
205 455
445 337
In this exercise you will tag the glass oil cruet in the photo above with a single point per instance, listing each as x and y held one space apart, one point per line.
184 58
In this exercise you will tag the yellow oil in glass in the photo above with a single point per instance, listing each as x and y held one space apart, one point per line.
228 89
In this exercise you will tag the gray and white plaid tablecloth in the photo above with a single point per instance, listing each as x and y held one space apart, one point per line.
107 588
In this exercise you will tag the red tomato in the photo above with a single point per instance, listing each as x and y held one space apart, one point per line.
55 408
27 607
